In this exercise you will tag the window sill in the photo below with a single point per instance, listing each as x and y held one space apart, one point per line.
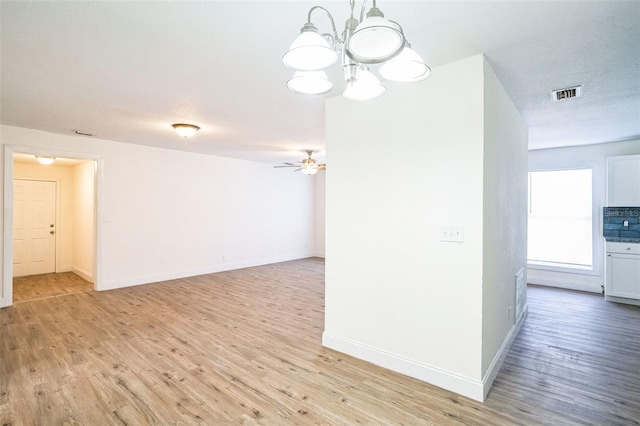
562 267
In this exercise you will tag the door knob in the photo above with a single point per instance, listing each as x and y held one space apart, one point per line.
51 226
52 232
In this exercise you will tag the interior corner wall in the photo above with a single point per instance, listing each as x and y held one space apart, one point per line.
169 214
83 219
402 166
65 195
319 180
505 222
594 156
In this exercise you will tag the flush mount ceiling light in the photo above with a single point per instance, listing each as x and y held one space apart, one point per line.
44 159
367 41
84 133
185 130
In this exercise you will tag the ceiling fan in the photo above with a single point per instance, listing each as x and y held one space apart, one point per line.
309 166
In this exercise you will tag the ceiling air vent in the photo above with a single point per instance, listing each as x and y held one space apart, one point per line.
571 92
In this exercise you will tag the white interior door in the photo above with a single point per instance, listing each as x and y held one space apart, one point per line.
34 227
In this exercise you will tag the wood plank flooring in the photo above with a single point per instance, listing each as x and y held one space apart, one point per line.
34 287
244 347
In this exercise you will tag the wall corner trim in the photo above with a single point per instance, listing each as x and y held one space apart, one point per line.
461 385
502 353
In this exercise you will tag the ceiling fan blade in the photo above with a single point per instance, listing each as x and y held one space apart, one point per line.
322 167
277 167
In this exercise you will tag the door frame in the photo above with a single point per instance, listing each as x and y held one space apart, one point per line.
56 261
9 150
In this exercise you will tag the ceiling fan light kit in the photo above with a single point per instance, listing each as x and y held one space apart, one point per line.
368 41
309 170
308 166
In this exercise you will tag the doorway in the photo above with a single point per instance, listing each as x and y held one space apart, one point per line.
34 227
60 251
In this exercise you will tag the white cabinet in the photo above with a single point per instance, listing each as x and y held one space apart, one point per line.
623 181
623 270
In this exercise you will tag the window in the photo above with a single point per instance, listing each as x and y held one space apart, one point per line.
560 219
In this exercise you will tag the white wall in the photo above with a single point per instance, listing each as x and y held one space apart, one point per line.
319 203
83 219
402 166
64 226
169 214
505 219
576 157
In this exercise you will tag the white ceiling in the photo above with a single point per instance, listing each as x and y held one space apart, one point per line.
128 70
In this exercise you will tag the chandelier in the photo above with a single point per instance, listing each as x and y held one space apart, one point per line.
368 41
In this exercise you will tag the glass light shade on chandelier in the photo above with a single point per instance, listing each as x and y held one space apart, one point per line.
406 67
375 39
366 86
370 40
309 51
310 83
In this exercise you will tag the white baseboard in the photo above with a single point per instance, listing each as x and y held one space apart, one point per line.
148 279
462 385
624 300
498 360
82 274
567 285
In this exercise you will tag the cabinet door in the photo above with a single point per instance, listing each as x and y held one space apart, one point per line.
623 181
623 275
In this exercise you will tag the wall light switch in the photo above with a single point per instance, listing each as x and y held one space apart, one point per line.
445 233
452 233
457 232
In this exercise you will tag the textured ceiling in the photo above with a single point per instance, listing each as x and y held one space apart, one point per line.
128 70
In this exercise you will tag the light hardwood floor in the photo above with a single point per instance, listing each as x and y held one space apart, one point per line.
48 285
244 347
